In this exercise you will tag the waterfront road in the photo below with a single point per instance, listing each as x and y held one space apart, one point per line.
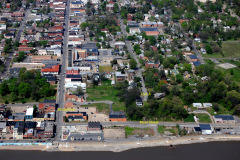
152 124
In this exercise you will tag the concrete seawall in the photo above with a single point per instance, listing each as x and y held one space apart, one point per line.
120 146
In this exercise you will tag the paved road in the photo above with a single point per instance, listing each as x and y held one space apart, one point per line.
59 115
134 56
193 46
137 124
20 104
17 38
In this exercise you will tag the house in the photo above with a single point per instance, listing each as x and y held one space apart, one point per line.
94 126
117 116
193 58
109 7
139 102
229 119
68 105
197 105
205 105
159 95
50 78
150 31
196 64
120 76
18 130
45 106
49 116
119 45
29 114
151 64
51 69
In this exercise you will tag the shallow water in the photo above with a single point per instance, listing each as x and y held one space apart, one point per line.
200 151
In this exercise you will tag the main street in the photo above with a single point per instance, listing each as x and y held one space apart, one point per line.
59 114
23 24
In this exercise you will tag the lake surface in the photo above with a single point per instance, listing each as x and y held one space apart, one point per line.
200 151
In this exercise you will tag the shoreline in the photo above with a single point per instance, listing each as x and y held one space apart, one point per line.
121 146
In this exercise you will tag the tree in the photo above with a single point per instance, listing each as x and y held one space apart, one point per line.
4 90
79 91
115 8
24 90
209 49
233 97
152 40
133 63
179 78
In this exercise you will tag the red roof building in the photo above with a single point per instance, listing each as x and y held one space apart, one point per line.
51 70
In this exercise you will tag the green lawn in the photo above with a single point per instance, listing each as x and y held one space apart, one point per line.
173 130
236 73
222 110
230 50
105 69
203 118
189 118
161 129
128 131
105 92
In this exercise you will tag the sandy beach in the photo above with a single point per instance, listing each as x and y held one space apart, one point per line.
120 146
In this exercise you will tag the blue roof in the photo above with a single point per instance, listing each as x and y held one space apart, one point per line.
196 63
193 57
205 126
77 2
148 29
224 117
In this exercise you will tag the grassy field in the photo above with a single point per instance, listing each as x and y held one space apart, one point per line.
222 110
189 118
203 118
230 49
105 92
105 69
138 131
236 73
173 130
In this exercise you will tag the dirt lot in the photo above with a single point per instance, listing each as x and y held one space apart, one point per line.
98 117
117 133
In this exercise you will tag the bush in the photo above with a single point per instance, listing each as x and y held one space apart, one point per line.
6 102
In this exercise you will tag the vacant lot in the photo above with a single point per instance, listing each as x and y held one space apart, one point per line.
230 50
117 133
105 69
164 129
105 92
138 131
203 118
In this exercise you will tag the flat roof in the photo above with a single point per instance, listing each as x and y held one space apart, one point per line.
224 117
29 112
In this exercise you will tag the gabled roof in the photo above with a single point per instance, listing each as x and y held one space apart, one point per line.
224 117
